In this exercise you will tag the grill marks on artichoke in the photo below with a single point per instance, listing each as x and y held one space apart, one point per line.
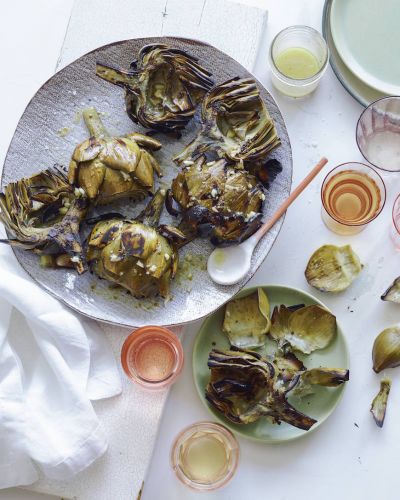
163 86
43 214
235 124
109 168
134 255
217 200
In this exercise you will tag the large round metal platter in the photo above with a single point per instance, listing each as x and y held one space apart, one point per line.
48 132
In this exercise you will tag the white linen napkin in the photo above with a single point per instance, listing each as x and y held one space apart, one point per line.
52 363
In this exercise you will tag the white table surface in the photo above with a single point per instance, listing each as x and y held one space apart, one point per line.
339 460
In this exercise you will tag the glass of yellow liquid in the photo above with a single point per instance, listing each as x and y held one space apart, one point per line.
299 57
205 455
353 195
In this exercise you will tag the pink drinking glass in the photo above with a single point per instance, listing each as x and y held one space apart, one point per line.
395 227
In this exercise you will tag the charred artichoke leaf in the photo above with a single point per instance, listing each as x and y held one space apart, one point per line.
332 268
386 349
235 124
217 201
134 255
305 329
379 403
109 168
246 320
244 387
392 294
327 377
43 213
163 86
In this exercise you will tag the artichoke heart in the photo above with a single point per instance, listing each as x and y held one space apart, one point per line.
379 403
386 349
217 201
163 86
332 268
43 213
392 294
245 387
305 329
246 320
134 255
109 168
235 124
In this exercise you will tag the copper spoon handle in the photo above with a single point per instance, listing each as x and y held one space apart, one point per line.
295 193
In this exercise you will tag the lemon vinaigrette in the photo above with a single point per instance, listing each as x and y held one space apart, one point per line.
299 58
205 455
297 63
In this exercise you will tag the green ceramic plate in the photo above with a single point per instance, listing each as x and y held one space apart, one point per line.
364 94
319 405
366 35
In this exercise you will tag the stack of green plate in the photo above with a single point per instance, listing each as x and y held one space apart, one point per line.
363 38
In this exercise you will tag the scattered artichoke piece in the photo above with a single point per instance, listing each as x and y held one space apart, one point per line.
244 387
236 125
379 403
392 294
43 213
332 268
110 168
325 377
216 201
134 255
305 329
246 320
386 349
163 86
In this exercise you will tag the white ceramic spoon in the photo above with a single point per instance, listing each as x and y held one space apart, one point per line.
230 265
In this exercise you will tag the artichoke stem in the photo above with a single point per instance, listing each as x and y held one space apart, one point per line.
114 75
150 216
94 124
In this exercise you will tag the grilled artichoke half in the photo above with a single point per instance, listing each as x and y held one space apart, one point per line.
163 86
43 213
109 168
135 255
235 124
244 387
305 329
332 268
217 201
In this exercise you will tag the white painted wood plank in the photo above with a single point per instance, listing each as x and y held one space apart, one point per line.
95 23
231 27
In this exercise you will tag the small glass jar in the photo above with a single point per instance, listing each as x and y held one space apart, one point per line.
307 48
152 357
205 456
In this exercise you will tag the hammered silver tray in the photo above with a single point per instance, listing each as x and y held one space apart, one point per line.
48 132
